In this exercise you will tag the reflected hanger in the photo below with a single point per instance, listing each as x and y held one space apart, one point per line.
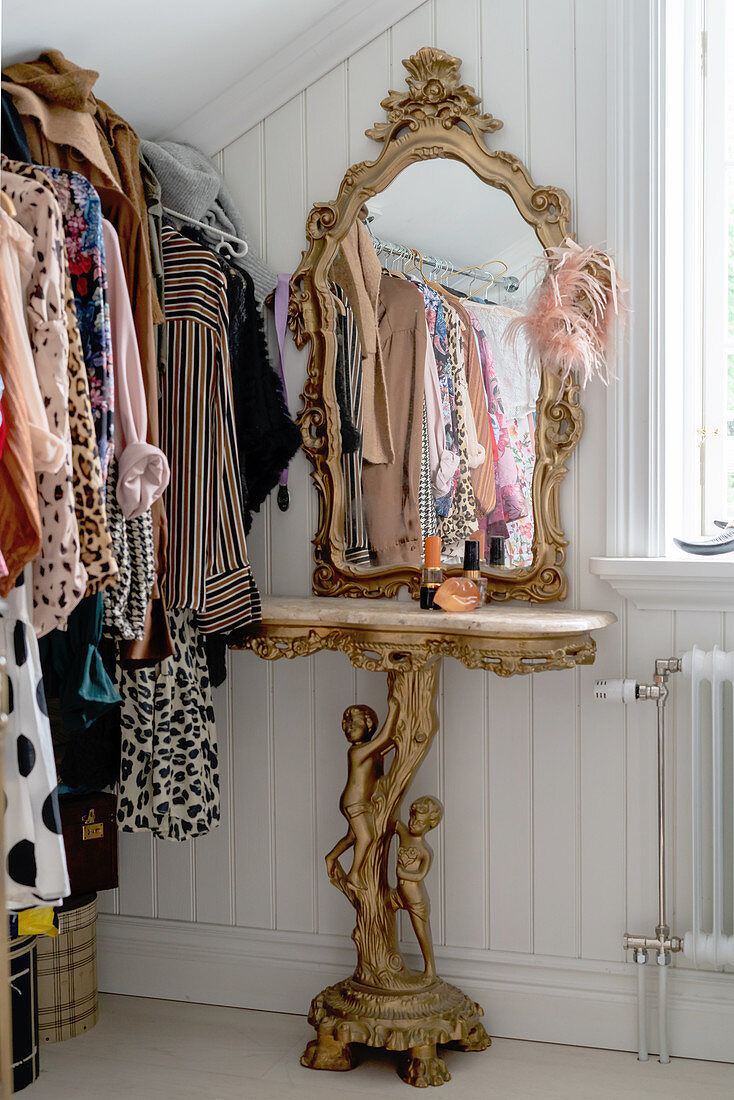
467 270
493 279
416 264
473 295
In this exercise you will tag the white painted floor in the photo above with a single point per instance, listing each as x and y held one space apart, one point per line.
167 1050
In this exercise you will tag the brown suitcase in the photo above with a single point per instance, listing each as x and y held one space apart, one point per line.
90 838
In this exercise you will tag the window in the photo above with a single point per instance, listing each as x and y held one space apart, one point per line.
718 261
729 176
699 264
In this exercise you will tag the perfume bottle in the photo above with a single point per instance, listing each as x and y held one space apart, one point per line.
496 550
471 560
472 571
480 536
432 575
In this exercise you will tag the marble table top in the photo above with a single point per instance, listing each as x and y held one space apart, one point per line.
507 620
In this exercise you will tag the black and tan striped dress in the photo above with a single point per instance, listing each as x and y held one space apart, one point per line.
350 353
208 570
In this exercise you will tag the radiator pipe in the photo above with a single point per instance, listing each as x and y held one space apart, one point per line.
663 944
663 1053
640 957
662 930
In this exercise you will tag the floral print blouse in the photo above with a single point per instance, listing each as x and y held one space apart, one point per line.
519 549
511 503
82 215
59 577
462 516
89 491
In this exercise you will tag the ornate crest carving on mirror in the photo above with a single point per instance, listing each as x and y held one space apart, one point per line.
437 120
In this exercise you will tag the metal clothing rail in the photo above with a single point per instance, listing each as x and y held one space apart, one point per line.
444 268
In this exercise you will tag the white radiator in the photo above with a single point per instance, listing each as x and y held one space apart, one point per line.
712 778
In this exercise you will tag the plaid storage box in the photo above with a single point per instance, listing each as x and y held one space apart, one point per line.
25 1011
67 973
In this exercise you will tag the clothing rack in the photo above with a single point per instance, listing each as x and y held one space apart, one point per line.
444 268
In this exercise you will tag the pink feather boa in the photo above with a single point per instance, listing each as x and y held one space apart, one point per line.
569 320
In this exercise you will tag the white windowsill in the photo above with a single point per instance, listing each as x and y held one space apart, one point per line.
671 584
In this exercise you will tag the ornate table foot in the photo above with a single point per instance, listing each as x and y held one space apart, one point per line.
476 1040
412 1019
423 1067
326 1052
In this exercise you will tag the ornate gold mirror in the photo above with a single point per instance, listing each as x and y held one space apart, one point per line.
432 247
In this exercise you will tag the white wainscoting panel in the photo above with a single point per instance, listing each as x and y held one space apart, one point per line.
547 853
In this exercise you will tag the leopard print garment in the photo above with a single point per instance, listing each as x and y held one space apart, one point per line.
169 771
132 540
462 517
94 536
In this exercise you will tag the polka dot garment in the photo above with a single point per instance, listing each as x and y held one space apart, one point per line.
35 861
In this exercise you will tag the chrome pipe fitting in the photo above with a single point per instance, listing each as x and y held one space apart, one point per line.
663 944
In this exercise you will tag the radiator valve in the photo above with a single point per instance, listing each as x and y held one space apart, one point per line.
616 691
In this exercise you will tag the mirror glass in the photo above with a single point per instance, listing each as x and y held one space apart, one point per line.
437 412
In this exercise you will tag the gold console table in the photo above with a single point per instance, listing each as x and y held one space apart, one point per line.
384 1004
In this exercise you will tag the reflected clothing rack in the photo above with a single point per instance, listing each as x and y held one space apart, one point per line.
444 268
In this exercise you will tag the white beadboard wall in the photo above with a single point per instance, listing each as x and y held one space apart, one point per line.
547 853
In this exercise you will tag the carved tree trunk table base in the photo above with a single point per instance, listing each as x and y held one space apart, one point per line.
415 1020
384 1004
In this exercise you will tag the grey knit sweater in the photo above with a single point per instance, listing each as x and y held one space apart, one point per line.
192 185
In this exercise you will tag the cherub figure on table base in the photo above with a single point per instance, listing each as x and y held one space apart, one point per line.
384 1003
415 856
364 769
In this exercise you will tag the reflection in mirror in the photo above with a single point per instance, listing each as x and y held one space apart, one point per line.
436 395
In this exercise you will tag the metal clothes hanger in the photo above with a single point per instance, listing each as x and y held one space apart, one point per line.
466 270
225 238
413 263
396 255
494 279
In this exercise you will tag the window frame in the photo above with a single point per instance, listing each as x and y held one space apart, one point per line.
714 306
662 207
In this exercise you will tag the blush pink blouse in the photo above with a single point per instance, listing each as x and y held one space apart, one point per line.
142 468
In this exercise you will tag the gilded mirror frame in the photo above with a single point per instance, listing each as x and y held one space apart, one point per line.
437 117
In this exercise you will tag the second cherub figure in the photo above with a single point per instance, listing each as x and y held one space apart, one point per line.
415 856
